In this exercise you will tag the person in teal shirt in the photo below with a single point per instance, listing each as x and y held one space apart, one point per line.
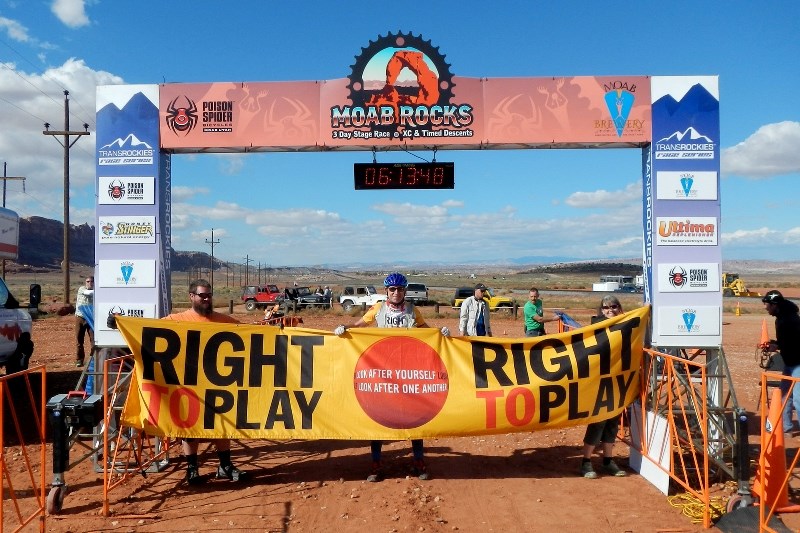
534 315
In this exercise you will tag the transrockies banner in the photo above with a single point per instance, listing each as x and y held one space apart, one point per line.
210 380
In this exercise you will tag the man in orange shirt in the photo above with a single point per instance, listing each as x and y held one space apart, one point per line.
202 310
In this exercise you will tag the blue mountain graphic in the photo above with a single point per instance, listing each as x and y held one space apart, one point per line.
139 115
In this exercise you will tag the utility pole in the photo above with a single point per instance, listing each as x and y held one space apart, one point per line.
247 262
67 145
5 179
212 242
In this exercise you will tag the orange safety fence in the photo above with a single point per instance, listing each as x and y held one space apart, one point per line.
675 390
130 452
773 477
23 448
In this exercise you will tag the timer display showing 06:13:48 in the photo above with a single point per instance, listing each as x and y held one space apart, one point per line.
404 176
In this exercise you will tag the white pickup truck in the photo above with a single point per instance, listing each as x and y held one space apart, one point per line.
16 346
358 295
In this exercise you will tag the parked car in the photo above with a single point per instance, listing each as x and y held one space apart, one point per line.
628 287
358 295
495 303
16 346
417 293
304 297
261 297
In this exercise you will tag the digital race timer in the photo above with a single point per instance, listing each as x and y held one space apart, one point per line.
404 176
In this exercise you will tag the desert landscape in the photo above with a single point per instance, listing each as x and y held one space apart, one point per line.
515 482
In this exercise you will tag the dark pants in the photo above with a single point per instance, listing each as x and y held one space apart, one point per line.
534 332
81 329
416 449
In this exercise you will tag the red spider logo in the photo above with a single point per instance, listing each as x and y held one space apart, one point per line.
181 119
677 279
116 190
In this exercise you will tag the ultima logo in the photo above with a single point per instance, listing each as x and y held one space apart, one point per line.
675 228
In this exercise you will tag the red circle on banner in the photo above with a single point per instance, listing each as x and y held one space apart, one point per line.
401 382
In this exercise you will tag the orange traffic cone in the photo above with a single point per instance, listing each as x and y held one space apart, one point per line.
775 491
773 458
738 310
764 334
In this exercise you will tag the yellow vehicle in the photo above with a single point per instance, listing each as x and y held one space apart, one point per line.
732 285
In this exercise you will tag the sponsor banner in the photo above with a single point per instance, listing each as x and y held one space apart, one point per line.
126 230
400 92
9 234
689 185
688 277
124 309
212 380
685 114
691 231
127 128
126 273
119 190
689 321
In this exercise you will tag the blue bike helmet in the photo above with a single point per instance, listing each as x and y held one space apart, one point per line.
395 279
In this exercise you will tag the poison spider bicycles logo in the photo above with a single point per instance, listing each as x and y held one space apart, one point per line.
677 276
378 78
181 120
116 190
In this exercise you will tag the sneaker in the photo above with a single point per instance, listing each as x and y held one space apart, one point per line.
229 472
375 473
587 471
419 469
612 469
193 476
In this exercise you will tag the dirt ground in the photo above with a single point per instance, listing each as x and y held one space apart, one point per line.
517 482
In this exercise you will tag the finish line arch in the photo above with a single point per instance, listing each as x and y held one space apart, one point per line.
401 95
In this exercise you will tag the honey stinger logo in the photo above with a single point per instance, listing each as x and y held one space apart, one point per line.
401 88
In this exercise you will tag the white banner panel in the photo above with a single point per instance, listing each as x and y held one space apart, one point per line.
689 185
126 273
139 190
689 231
688 277
689 321
126 230
138 310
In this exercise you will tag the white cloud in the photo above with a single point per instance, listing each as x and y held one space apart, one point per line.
15 30
70 12
772 150
27 101
231 164
606 199
183 193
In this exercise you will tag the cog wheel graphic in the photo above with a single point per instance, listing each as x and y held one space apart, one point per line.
433 88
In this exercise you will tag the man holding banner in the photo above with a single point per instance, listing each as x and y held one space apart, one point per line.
396 312
202 310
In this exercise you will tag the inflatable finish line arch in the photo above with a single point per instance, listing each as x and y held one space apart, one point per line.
400 93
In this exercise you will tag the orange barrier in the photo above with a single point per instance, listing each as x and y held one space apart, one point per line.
17 396
127 452
675 389
771 484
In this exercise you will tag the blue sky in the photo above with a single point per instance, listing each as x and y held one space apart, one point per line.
301 209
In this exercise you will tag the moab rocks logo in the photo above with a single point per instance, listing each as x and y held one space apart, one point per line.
401 88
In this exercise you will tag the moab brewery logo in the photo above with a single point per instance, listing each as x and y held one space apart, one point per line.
401 88
619 99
